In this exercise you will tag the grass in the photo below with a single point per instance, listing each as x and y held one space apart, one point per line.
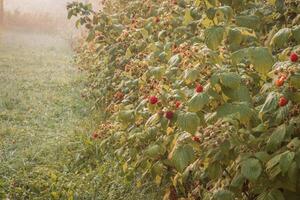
45 149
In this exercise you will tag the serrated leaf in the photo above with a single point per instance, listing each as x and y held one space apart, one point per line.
295 81
188 122
251 169
249 21
215 170
155 150
197 102
223 195
157 72
187 19
128 53
240 111
174 60
262 59
214 36
182 156
90 36
296 33
270 105
240 94
237 181
190 75
126 116
276 138
235 38
271 195
153 120
286 160
230 79
281 37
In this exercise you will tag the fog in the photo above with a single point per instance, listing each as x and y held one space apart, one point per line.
53 7
38 15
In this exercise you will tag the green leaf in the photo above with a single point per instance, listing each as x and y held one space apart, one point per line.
240 94
273 162
153 120
295 80
128 53
188 122
227 13
262 156
240 111
276 138
230 79
215 170
197 102
157 72
249 21
174 60
155 150
238 181
286 160
223 195
126 116
296 33
251 169
271 195
187 19
182 156
235 38
90 36
190 75
214 36
157 168
270 105
281 38
262 59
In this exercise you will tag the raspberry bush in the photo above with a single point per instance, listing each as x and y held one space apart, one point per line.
202 96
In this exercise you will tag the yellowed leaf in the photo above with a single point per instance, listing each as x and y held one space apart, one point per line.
158 180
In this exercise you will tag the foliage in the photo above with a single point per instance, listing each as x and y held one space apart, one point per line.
248 143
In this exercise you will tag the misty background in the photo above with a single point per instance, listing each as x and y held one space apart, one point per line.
53 7
48 16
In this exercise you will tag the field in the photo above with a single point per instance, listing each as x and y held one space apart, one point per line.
45 124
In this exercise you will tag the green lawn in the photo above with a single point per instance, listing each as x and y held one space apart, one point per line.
45 148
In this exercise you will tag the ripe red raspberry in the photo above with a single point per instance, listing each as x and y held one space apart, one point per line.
177 104
294 57
153 100
199 88
283 101
196 139
169 115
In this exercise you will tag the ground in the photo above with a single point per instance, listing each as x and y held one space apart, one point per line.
46 151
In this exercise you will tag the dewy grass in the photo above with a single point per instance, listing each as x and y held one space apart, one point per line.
45 148
40 108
